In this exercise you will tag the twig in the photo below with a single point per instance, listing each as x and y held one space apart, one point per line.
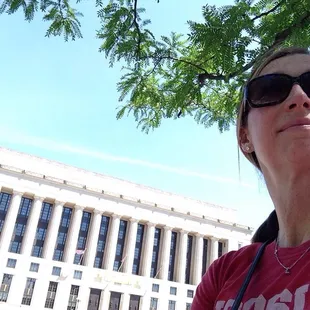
268 12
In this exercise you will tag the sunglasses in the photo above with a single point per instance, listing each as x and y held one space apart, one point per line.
272 89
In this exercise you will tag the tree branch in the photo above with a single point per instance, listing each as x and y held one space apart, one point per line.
268 12
135 22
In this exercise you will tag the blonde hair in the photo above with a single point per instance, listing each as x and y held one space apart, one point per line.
244 109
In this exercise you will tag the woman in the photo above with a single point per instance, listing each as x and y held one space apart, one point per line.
273 133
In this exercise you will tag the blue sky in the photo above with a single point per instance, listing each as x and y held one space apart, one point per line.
58 100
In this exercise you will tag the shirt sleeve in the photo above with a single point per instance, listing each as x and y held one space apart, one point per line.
207 290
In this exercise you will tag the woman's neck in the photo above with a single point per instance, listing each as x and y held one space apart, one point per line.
291 198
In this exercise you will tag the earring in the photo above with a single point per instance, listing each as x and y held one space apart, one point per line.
246 148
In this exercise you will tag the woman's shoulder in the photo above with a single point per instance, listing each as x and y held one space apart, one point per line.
248 251
234 260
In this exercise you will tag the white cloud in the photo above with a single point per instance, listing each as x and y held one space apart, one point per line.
47 144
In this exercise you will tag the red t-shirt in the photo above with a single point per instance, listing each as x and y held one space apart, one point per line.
270 288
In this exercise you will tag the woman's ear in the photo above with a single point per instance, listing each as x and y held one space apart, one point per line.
244 140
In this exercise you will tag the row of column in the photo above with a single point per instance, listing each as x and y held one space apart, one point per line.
93 233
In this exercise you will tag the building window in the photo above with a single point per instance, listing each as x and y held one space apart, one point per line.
220 249
155 287
204 256
28 291
154 303
5 287
188 306
11 263
77 274
134 302
5 199
104 226
34 267
73 301
115 301
94 299
44 219
119 260
51 294
171 305
56 271
81 244
173 247
173 290
62 234
138 250
189 259
156 247
20 225
190 293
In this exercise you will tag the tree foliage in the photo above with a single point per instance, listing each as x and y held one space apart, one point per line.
199 74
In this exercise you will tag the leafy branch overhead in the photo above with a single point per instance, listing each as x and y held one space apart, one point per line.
199 74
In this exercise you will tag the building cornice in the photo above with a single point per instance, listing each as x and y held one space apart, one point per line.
127 199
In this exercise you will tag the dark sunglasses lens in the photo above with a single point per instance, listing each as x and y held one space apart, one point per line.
305 83
269 89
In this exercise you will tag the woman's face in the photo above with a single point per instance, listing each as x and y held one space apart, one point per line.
275 147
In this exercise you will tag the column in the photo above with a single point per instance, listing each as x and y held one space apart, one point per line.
232 245
10 219
105 299
148 250
125 300
214 249
145 301
198 258
182 257
17 289
112 242
32 225
40 290
163 274
52 230
130 246
83 297
92 239
73 234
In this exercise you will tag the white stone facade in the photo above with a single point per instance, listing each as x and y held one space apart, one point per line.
155 250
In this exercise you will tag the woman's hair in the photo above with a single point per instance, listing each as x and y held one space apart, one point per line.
269 229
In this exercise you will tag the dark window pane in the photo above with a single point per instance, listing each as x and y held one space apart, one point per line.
34 267
173 247
74 292
204 256
118 262
220 249
62 234
81 244
103 232
156 247
11 263
51 295
28 292
189 259
5 199
56 271
138 250
20 225
94 299
115 301
5 287
45 216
